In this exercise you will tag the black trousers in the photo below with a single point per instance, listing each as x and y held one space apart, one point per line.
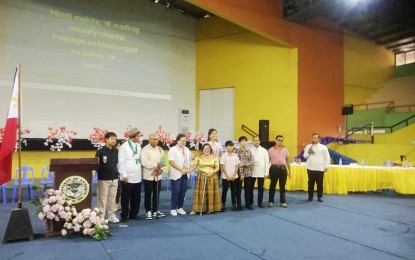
315 177
277 173
130 199
236 188
151 197
260 190
249 183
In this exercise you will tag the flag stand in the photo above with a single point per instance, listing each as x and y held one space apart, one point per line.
19 226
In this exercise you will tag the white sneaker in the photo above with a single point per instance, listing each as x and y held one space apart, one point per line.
181 211
160 214
113 219
173 212
148 215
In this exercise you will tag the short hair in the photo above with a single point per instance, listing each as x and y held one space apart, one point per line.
211 131
278 137
152 135
110 134
180 136
256 136
242 138
315 134
207 145
229 143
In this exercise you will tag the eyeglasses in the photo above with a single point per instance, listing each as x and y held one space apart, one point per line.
279 140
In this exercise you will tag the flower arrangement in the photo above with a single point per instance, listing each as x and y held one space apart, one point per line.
164 137
89 222
97 137
195 139
58 137
54 207
23 132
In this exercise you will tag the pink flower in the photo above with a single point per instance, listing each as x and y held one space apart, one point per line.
50 215
55 208
87 224
46 208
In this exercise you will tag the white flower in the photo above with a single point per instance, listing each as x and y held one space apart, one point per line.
93 214
64 232
105 227
93 219
52 199
41 215
106 221
97 210
62 202
86 213
67 208
69 226
77 228
85 231
91 231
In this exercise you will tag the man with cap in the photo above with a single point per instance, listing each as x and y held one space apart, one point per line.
129 167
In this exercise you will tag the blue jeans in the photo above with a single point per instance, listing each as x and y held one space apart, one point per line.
178 191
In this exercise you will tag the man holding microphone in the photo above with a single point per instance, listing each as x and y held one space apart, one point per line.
318 161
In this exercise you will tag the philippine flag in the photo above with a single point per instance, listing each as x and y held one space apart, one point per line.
10 133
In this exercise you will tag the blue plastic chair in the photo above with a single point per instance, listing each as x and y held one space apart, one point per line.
94 180
165 177
46 181
3 189
192 179
28 176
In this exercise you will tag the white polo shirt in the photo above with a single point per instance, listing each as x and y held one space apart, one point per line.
181 157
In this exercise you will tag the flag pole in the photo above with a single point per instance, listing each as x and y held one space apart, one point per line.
19 226
19 151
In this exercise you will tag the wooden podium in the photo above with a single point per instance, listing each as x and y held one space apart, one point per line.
73 177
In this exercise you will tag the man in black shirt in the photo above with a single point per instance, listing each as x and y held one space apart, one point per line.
108 177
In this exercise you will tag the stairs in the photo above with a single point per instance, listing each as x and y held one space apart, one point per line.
400 90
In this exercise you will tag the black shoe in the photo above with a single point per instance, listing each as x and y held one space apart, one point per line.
260 205
249 207
136 217
124 220
320 200
240 208
310 199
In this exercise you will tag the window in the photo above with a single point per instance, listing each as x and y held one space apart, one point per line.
403 58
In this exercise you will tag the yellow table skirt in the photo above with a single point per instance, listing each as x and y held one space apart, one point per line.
343 179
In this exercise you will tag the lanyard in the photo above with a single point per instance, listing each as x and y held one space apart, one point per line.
135 152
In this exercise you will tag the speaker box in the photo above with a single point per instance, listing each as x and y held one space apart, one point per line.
347 110
264 130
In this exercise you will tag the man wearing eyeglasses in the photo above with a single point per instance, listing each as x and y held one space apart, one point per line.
278 156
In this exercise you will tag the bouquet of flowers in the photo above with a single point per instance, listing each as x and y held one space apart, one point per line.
89 222
54 207
164 137
97 138
195 139
59 136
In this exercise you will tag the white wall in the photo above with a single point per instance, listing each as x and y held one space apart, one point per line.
81 70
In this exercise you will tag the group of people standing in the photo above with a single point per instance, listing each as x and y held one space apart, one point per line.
237 168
